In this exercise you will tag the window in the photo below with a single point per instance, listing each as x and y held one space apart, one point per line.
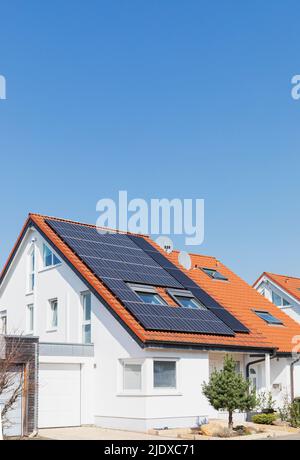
132 377
266 316
214 274
53 314
164 374
253 378
148 294
49 257
3 322
237 367
186 299
279 301
30 318
31 280
86 299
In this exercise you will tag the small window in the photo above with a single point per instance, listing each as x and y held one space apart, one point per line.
31 281
268 318
132 376
164 374
30 318
148 294
3 322
49 257
279 301
253 379
237 367
214 274
53 317
151 297
186 299
86 299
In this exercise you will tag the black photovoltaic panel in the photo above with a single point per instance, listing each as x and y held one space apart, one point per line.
190 285
164 318
117 259
113 255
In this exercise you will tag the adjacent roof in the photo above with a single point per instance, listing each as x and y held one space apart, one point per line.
289 284
235 295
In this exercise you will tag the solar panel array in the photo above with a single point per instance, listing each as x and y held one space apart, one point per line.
118 259
190 285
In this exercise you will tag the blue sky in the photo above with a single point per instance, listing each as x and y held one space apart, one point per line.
162 99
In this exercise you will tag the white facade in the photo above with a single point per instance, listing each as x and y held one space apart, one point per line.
96 379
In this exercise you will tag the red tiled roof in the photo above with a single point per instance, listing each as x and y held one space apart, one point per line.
235 295
289 284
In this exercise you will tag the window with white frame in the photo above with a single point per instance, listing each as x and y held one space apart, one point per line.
164 374
86 301
53 314
31 274
30 318
132 376
3 322
279 301
49 258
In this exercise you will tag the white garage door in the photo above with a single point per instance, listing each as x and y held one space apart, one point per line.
59 395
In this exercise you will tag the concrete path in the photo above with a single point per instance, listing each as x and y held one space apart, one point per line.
94 433
289 437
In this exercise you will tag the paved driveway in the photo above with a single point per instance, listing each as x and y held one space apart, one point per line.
94 433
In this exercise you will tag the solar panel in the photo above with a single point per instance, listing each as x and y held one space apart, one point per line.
190 285
118 259
165 318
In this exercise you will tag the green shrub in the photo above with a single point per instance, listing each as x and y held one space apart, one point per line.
295 414
264 419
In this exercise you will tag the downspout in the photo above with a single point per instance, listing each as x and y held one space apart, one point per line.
292 378
257 362
251 364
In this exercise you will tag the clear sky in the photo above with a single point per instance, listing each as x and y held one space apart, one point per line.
162 98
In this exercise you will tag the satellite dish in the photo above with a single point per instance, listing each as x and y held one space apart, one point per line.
165 243
185 260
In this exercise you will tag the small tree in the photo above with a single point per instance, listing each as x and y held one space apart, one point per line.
228 390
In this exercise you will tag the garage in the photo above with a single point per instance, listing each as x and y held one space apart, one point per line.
59 395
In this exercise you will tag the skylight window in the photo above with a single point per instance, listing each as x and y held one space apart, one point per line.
268 318
148 294
49 257
214 274
185 299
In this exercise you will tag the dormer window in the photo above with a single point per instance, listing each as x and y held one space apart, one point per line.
50 259
214 274
279 301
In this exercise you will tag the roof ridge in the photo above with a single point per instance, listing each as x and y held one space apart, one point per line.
283 276
85 224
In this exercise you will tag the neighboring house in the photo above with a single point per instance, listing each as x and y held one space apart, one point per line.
283 291
127 336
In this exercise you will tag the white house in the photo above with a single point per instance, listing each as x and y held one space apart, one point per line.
127 336
283 291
